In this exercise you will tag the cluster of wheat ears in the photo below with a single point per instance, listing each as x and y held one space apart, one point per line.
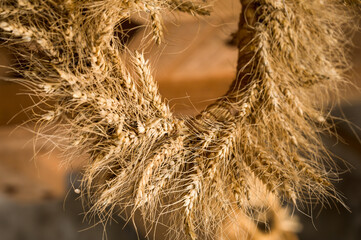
264 132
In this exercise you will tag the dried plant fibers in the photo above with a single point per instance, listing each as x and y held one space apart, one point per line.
198 169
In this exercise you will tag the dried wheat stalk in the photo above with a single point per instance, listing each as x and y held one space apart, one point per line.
266 128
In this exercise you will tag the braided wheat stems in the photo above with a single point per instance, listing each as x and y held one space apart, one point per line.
264 130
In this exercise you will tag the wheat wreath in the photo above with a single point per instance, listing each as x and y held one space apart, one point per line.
263 133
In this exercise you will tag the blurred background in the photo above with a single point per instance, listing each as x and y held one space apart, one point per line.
194 66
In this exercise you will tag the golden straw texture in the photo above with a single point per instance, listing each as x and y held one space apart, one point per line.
197 169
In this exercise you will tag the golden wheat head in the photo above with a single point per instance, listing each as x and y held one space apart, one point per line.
264 133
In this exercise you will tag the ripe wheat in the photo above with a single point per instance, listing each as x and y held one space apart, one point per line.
200 169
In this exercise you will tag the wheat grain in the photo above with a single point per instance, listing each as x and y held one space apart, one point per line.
264 133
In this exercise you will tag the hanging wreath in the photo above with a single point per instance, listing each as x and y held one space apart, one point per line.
264 133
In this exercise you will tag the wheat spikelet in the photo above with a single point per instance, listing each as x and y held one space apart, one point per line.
264 131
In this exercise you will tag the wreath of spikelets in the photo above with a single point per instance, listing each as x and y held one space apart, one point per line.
266 129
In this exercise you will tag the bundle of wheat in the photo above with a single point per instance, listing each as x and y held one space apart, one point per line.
199 169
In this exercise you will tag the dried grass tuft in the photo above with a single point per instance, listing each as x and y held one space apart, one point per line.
199 169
